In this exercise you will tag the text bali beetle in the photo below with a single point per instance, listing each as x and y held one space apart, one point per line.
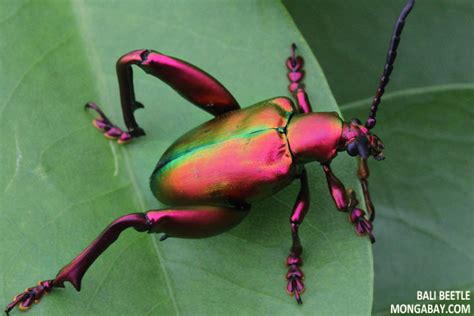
269 144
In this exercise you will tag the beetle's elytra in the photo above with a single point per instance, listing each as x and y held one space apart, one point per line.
269 144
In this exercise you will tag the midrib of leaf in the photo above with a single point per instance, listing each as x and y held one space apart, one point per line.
92 57
153 239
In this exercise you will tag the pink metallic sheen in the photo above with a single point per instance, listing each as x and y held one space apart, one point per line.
362 225
124 138
196 86
294 261
300 209
196 169
295 76
293 86
75 270
338 192
194 222
355 214
192 83
114 132
302 201
211 174
303 101
321 143
296 73
99 124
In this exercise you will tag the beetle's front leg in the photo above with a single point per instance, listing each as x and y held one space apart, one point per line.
295 275
346 202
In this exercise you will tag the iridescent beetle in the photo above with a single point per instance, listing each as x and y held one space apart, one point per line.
268 145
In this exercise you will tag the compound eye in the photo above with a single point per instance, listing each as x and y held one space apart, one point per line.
363 146
352 149
363 149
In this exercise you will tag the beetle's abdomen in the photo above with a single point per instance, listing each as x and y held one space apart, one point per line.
237 157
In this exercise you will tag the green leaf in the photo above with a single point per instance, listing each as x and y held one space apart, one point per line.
351 40
422 193
61 182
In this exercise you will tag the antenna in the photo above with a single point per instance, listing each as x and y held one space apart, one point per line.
387 70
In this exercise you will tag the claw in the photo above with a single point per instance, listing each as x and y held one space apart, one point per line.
362 225
295 287
103 124
96 108
295 278
100 124
124 138
29 296
298 298
113 133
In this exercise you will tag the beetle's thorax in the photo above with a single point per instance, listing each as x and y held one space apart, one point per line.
315 136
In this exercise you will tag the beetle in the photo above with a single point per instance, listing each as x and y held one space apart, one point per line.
268 143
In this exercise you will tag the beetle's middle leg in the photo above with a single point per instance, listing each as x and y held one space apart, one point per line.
295 275
185 222
192 83
295 64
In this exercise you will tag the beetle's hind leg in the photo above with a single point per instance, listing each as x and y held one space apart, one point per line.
75 270
295 63
190 82
186 222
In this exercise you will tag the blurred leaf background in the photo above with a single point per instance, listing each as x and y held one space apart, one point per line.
423 191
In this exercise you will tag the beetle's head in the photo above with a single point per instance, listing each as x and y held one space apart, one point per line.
357 140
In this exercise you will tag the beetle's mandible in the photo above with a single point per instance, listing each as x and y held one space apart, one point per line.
269 144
